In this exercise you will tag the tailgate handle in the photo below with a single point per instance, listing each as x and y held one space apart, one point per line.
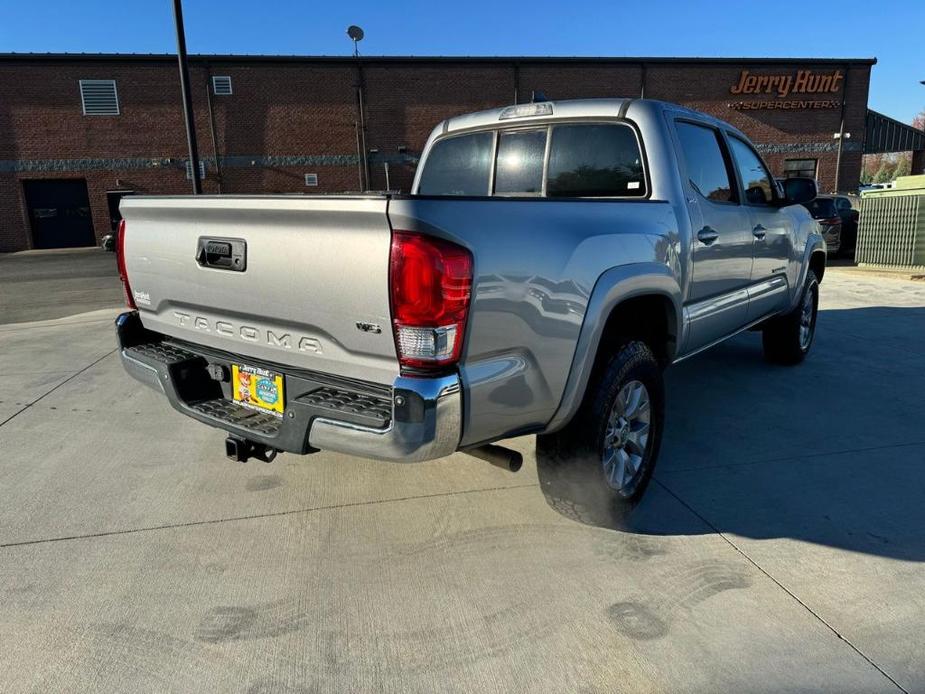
222 254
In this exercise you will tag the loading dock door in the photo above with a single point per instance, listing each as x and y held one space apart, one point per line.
59 212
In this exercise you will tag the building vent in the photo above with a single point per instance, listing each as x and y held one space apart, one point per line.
189 170
99 97
311 179
221 86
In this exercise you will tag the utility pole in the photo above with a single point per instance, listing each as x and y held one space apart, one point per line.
187 98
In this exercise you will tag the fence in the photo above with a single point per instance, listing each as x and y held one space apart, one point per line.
891 228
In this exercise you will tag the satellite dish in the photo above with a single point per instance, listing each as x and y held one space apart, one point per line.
355 33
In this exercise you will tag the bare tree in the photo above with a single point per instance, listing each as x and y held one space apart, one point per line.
919 121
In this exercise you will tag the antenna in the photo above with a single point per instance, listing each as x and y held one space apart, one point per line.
356 35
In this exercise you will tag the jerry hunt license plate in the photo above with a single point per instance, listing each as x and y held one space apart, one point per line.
257 388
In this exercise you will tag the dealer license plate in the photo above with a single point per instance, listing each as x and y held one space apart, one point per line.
257 388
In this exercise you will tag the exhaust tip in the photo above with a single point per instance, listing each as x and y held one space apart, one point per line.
499 456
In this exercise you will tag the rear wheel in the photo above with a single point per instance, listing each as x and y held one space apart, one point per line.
602 461
788 339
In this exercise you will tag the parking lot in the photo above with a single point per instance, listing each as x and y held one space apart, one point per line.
780 547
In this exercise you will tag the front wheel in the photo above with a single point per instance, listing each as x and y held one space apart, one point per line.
602 461
788 339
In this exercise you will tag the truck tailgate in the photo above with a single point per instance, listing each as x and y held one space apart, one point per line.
314 293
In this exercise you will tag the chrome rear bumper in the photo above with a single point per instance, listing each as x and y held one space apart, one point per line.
416 419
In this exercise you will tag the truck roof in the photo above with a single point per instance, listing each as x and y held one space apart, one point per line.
576 108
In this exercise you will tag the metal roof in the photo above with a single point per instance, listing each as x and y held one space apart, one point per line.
884 134
165 57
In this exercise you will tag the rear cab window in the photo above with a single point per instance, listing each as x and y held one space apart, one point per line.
561 160
458 166
595 160
519 164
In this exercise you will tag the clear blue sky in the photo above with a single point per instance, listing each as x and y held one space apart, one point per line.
891 31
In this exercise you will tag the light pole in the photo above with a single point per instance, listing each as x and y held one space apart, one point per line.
187 98
356 35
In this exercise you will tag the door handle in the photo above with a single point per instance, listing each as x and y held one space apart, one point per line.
707 235
760 232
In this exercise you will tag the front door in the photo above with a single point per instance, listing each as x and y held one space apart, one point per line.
59 212
721 247
772 232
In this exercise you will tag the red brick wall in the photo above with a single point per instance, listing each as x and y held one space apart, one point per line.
308 109
706 88
405 102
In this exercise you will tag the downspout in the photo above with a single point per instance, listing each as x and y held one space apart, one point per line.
516 83
841 133
642 90
218 165
361 139
356 129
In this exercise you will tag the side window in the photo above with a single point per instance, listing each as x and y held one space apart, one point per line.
706 166
755 178
458 166
519 169
594 161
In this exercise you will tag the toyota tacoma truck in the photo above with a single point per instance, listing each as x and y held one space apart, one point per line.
551 261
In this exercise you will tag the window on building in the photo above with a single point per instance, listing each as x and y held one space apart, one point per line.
755 177
519 168
99 97
221 86
594 160
311 179
458 166
706 166
800 168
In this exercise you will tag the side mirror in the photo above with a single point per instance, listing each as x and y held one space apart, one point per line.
799 190
108 243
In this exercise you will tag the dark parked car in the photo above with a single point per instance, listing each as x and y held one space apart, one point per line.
849 224
826 215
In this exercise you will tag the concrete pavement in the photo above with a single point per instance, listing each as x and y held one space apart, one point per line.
38 285
779 549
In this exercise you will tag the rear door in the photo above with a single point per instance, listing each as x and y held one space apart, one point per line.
310 288
721 248
771 231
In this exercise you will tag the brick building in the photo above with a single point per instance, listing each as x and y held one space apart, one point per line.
79 131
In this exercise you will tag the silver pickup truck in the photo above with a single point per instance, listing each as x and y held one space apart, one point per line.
552 259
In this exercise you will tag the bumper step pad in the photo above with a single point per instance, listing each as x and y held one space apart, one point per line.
232 413
375 412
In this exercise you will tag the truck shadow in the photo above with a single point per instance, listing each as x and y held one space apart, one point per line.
829 452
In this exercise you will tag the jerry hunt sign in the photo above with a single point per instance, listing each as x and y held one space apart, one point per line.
803 82
782 86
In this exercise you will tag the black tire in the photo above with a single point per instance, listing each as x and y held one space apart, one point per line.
571 466
784 342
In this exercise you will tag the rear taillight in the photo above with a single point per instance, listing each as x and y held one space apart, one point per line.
430 283
120 263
